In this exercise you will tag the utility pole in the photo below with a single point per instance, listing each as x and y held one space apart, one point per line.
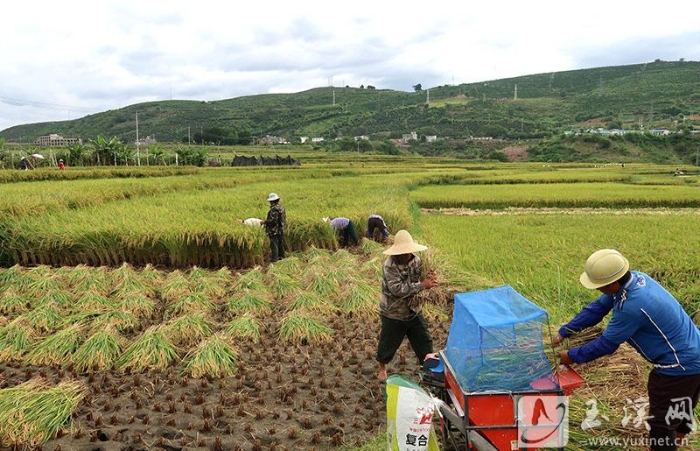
138 143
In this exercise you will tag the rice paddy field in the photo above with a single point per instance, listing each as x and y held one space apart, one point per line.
138 313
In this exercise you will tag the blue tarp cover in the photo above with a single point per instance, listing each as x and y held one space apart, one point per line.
495 341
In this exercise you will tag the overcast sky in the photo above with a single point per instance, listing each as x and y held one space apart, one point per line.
62 60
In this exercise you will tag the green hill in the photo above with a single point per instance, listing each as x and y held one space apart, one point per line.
534 107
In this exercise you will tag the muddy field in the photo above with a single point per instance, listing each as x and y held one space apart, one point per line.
283 398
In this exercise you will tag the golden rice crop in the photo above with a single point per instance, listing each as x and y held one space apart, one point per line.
58 348
282 285
33 412
188 329
12 303
190 303
360 299
99 351
213 357
137 304
123 321
312 302
300 327
92 301
16 338
45 317
253 302
175 285
245 327
153 350
253 280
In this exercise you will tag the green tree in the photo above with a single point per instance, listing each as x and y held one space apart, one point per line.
155 151
105 149
418 87
76 153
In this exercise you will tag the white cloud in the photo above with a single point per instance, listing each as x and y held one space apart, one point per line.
62 60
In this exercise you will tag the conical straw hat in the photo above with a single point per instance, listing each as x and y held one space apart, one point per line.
404 244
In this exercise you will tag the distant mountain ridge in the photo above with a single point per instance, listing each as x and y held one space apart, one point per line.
660 94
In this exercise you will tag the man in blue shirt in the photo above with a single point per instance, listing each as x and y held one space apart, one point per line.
650 319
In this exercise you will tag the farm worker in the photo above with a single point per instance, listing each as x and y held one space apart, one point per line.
274 226
61 165
24 164
652 321
376 223
398 308
253 222
345 229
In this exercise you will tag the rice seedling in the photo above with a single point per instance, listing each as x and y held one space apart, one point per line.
249 301
138 304
153 350
190 303
99 351
16 338
188 329
299 327
58 348
360 299
245 327
33 412
253 280
12 303
45 317
214 357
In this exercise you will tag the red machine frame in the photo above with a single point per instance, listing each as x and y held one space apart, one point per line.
489 421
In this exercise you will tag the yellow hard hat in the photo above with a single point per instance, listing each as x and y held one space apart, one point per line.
604 267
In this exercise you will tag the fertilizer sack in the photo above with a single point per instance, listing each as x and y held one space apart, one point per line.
409 412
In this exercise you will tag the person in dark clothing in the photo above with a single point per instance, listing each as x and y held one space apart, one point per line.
23 164
376 224
652 321
345 229
399 310
274 226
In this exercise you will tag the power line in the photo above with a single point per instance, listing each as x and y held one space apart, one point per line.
23 102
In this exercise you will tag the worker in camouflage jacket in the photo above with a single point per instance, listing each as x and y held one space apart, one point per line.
274 226
399 310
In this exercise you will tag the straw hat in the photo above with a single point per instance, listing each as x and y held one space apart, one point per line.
272 197
404 244
604 267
